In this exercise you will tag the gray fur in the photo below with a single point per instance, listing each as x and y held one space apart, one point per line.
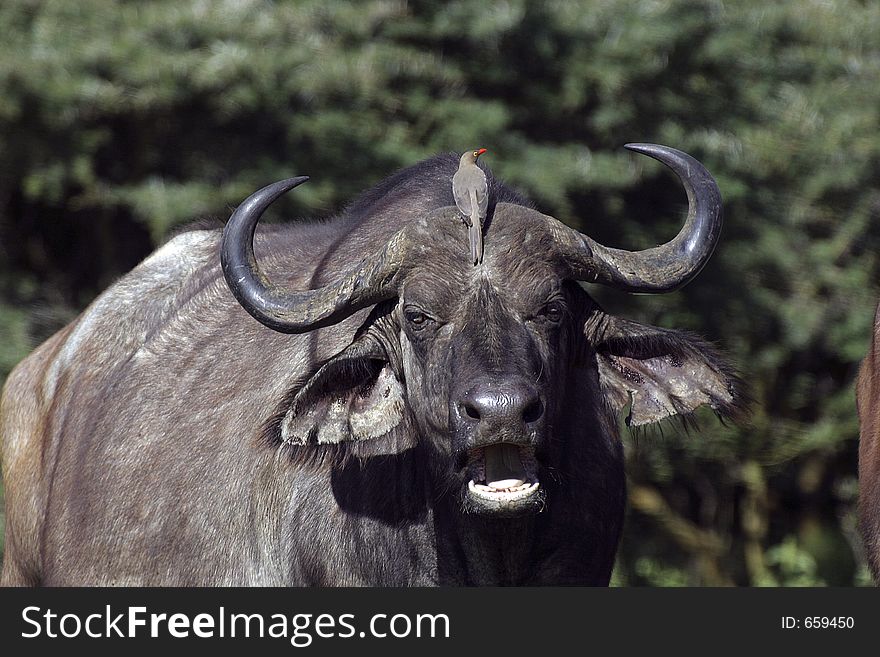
167 438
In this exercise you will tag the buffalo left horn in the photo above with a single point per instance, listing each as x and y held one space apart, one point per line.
297 312
663 268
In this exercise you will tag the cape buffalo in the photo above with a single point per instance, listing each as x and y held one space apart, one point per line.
396 416
868 404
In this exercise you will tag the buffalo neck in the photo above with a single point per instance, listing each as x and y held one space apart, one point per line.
478 551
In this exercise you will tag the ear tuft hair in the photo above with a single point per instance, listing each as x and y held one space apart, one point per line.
352 405
664 374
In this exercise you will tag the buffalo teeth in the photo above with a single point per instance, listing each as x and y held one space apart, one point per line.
522 490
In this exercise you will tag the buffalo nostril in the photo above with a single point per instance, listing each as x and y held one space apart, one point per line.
533 412
471 411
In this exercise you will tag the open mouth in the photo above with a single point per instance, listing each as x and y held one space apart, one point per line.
504 479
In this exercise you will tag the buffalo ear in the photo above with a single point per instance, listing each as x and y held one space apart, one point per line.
663 373
354 396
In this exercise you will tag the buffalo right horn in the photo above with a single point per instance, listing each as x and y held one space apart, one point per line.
297 312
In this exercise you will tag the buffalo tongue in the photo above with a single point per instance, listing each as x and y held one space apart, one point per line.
504 468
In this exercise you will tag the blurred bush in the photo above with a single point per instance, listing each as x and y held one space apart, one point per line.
121 122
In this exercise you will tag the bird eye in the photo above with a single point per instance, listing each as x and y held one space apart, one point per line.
476 153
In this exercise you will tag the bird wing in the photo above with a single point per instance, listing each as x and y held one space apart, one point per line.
475 203
482 193
466 180
461 193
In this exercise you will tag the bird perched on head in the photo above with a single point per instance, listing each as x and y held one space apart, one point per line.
472 199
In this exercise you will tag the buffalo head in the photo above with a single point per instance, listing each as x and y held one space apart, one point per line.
507 373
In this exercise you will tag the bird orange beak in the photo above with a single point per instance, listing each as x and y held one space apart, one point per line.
481 151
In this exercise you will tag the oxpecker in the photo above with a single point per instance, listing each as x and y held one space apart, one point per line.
472 198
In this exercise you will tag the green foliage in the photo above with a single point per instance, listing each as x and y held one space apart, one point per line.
14 341
796 567
120 122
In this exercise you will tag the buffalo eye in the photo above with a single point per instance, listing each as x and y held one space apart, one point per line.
417 319
552 312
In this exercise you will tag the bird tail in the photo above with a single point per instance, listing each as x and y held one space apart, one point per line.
475 232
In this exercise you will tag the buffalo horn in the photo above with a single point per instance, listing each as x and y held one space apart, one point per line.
300 311
666 267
